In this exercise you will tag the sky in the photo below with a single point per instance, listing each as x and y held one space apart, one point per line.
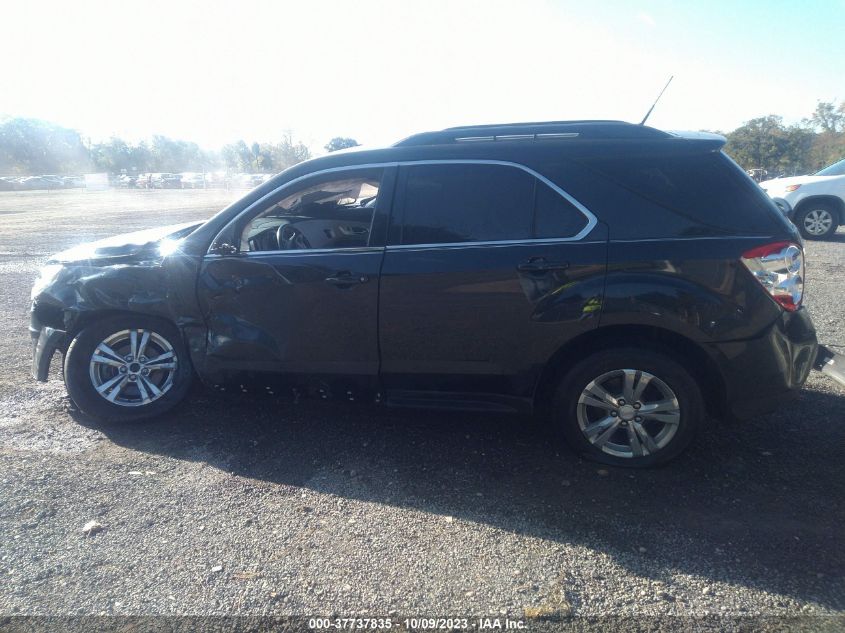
214 72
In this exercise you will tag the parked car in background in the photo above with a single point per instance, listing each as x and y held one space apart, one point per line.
73 181
624 283
217 179
192 180
815 203
758 175
141 181
159 180
126 181
9 183
167 181
41 182
250 180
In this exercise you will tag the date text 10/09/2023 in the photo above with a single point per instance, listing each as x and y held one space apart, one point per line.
417 624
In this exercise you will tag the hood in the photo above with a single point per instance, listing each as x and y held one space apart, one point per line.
778 184
138 246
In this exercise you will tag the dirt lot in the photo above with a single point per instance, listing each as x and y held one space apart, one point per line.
236 505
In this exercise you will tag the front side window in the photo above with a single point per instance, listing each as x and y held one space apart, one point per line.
334 212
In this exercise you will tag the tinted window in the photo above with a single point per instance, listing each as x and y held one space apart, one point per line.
335 212
467 203
707 191
555 216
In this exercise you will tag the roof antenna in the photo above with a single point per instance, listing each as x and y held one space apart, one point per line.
648 114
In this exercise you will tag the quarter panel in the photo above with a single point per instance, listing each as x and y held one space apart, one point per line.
695 287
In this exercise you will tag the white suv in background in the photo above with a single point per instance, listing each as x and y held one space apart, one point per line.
816 203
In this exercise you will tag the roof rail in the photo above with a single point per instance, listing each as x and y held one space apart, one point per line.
541 131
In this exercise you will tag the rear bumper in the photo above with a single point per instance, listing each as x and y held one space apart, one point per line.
831 364
764 373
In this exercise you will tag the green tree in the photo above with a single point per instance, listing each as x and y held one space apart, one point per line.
797 156
170 155
766 143
140 158
829 143
32 146
237 157
758 144
340 142
289 152
828 117
112 156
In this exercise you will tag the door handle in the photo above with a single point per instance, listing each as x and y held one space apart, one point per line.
541 265
344 278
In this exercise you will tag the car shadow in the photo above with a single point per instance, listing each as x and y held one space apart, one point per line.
754 504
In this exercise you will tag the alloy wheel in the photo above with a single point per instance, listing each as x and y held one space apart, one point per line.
132 368
818 221
628 413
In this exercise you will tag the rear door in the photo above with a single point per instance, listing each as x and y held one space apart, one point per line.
489 268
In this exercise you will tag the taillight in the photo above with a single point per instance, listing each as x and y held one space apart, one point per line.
779 267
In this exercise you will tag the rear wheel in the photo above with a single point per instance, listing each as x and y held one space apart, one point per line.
628 407
816 221
127 368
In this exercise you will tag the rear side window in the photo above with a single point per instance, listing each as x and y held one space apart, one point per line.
554 215
453 203
708 190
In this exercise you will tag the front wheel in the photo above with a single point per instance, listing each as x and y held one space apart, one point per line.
816 221
127 368
628 407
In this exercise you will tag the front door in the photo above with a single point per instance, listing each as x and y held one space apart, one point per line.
300 295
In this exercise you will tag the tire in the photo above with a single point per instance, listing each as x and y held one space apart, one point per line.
817 220
670 427
132 397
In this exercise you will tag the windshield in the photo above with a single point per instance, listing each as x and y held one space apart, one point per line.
836 169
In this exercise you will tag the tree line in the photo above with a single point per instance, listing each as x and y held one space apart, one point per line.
789 150
31 147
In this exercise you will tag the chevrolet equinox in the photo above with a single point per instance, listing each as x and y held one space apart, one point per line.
627 283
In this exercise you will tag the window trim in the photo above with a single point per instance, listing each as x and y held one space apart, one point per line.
591 219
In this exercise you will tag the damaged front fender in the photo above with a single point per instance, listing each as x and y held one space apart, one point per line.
78 293
144 273
81 288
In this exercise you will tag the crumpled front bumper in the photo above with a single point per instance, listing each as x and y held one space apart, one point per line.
44 345
45 341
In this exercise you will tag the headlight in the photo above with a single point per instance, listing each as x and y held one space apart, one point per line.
46 276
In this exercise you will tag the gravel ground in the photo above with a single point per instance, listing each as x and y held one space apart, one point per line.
234 505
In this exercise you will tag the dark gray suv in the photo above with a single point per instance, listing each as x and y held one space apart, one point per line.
625 282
